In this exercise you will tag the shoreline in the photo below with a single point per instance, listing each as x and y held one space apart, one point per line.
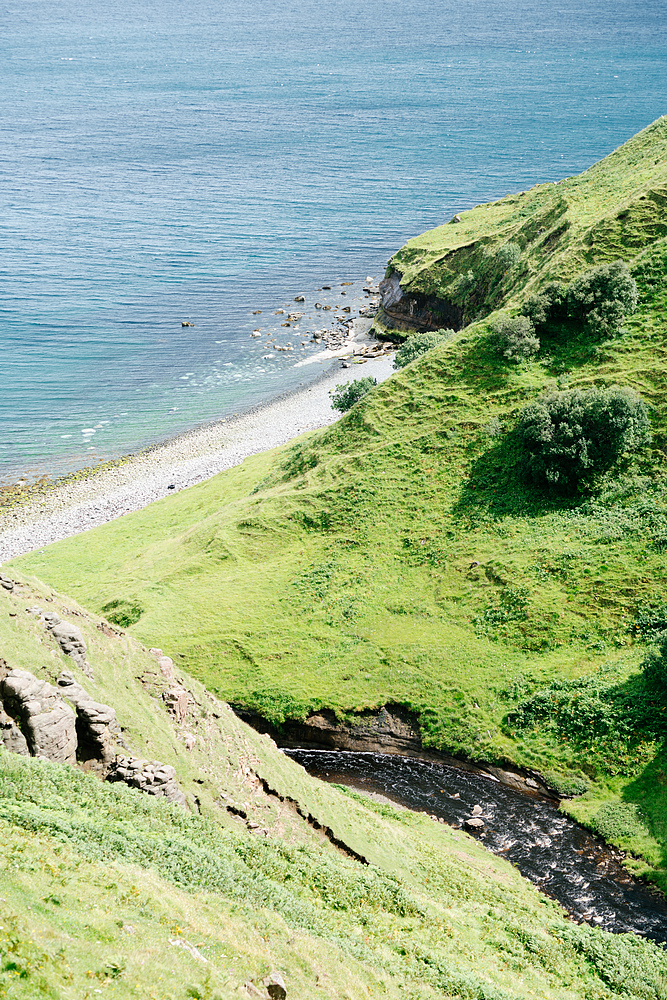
184 460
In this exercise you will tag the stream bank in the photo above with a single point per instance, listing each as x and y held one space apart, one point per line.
513 814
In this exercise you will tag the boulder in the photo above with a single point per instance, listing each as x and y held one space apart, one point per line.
6 582
148 776
47 723
275 986
11 736
97 725
176 700
166 665
71 642
475 823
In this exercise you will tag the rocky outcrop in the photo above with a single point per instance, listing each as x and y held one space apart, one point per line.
6 582
150 777
409 311
96 725
69 639
392 729
38 711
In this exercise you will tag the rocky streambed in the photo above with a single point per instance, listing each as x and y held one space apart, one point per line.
511 813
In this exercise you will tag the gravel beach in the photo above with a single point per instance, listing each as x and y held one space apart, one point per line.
180 462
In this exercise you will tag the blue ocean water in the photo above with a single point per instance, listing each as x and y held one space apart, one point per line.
162 161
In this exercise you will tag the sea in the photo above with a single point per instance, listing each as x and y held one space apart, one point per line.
163 163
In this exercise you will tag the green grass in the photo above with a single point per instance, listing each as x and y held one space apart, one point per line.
103 887
396 556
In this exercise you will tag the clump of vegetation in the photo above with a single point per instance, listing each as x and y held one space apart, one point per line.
619 820
655 668
650 620
508 256
123 613
608 726
418 344
568 438
343 397
515 336
599 300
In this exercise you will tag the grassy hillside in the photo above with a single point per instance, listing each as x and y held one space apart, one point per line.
106 891
398 556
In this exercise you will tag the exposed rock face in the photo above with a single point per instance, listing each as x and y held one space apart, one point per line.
405 310
97 726
47 724
393 729
11 736
69 639
148 776
176 700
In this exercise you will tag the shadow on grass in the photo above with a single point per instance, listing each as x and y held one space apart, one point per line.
497 488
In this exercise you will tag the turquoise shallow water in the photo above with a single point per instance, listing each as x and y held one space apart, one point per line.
160 163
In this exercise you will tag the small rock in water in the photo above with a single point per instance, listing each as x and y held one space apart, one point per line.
326 288
256 312
299 298
346 364
477 810
531 783
186 322
255 333
475 823
456 795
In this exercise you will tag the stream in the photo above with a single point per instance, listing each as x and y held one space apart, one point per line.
581 872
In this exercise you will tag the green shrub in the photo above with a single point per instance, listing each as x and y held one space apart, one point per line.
599 300
508 256
343 397
567 785
515 336
655 668
570 437
547 305
650 621
602 297
418 344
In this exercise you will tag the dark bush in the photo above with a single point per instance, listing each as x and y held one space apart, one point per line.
655 668
599 300
418 344
343 397
570 437
515 336
547 305
602 298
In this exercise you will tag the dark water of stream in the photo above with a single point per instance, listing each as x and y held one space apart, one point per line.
562 859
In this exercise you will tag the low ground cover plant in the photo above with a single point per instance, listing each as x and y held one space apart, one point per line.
418 344
343 397
568 438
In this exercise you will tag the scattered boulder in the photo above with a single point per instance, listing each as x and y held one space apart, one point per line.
275 986
176 700
38 710
166 665
477 810
455 218
150 777
97 725
6 582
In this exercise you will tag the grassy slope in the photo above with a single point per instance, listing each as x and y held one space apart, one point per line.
338 571
108 890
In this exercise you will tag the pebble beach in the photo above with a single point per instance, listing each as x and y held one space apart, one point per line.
183 461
